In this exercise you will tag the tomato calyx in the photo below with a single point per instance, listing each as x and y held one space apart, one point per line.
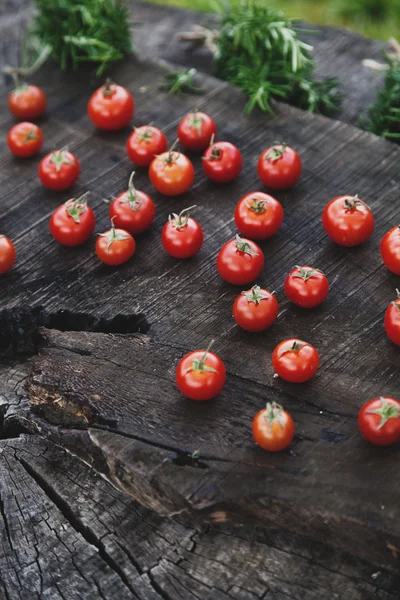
255 295
108 91
180 221
75 207
273 412
31 135
305 274
146 134
296 346
244 247
20 88
113 235
386 412
275 152
172 155
132 198
396 302
199 364
351 202
216 153
60 158
256 205
195 122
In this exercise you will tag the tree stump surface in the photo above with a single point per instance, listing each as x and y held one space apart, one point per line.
106 342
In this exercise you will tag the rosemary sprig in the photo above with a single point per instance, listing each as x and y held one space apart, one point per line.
181 83
384 116
83 31
258 49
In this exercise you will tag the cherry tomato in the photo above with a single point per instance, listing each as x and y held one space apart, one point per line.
201 375
307 287
240 261
133 210
111 107
59 170
390 250
182 236
348 220
171 173
379 421
72 223
115 246
295 361
256 309
279 167
222 162
392 320
273 428
27 102
7 254
24 139
196 130
144 144
258 216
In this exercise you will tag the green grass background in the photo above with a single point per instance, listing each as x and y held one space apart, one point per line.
378 19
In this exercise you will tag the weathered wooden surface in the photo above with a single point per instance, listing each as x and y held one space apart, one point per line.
338 53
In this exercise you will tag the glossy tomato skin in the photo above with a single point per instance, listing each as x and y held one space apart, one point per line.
111 107
279 167
392 321
27 102
200 385
134 217
72 223
25 139
390 250
273 428
171 173
115 247
258 216
182 241
144 144
348 221
306 287
196 130
295 361
255 310
372 425
237 266
59 170
222 162
7 254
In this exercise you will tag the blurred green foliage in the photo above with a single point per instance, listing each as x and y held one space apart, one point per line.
374 18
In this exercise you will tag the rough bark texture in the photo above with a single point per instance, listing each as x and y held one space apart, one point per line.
329 507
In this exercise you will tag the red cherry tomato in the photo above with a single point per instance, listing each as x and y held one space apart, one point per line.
348 220
258 216
390 250
72 223
59 170
306 287
222 162
240 261
133 210
144 144
295 361
196 130
171 173
279 167
201 375
27 102
392 320
255 310
24 139
115 246
379 421
7 254
182 236
111 107
273 428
